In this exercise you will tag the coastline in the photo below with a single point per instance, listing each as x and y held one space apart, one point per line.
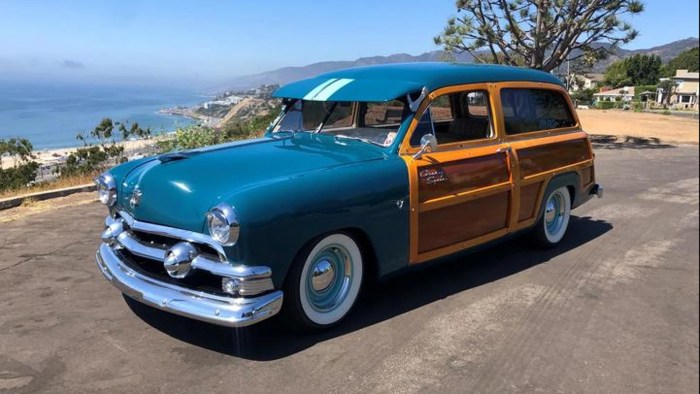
189 112
57 156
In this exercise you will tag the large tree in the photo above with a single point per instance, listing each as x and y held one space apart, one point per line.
634 71
539 33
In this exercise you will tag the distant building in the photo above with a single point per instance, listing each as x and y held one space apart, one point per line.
687 90
624 94
585 81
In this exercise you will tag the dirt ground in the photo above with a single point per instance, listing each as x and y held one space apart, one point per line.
655 127
30 208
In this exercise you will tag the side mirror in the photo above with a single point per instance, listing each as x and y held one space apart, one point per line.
428 143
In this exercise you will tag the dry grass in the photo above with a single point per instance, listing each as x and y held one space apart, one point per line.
58 183
664 128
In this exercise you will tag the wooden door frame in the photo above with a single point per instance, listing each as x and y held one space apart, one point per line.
452 152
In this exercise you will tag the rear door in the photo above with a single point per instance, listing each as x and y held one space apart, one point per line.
547 140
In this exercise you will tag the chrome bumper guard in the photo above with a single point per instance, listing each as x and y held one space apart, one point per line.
198 305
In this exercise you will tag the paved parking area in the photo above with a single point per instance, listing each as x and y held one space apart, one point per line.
613 309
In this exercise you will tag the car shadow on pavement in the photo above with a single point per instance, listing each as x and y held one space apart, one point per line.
627 142
427 283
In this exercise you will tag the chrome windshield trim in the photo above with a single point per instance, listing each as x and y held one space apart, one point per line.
172 232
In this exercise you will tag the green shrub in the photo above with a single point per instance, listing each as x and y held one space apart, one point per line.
666 112
196 136
94 158
190 137
23 171
605 104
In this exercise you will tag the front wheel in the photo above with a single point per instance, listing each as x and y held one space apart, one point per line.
552 226
323 282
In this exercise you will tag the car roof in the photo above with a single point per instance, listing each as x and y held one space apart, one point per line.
389 81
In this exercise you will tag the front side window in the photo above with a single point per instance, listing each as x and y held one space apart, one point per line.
530 110
457 117
370 122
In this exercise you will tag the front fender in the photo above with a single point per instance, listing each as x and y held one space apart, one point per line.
279 218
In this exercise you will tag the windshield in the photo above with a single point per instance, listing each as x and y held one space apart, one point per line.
374 123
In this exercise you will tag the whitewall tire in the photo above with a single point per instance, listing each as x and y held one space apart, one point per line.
552 226
324 282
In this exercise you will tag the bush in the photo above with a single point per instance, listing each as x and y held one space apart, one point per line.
23 171
197 136
190 137
582 96
637 106
666 112
94 158
605 104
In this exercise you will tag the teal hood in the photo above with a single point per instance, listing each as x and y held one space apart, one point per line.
178 189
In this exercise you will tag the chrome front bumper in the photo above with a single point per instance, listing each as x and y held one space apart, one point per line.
198 305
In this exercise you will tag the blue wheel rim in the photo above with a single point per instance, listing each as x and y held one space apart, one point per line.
327 298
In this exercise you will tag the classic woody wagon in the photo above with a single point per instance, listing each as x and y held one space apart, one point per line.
365 172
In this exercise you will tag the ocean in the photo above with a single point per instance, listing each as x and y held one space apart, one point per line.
51 114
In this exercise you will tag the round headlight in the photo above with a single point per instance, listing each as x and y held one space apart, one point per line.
223 224
106 189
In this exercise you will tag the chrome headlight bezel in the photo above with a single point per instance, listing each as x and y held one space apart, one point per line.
223 224
106 189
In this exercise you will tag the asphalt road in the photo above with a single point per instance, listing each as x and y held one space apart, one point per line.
613 309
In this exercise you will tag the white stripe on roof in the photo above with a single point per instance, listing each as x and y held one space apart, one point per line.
329 90
317 89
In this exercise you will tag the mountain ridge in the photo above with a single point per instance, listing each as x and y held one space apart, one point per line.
292 73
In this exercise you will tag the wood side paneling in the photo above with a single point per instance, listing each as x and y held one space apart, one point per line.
461 222
551 156
462 175
528 200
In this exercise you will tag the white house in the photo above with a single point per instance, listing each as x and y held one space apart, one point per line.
624 94
687 89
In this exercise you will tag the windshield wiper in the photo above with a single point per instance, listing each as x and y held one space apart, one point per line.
285 132
347 137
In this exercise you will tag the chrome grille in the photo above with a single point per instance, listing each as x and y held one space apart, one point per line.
151 241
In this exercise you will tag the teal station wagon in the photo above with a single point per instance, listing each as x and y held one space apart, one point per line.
365 172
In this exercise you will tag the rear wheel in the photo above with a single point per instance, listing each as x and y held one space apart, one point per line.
552 226
323 283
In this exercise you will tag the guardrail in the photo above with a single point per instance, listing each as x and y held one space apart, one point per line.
12 202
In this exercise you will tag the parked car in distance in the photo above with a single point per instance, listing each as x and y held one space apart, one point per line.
365 172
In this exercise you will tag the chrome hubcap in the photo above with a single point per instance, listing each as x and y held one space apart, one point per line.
554 213
322 275
329 278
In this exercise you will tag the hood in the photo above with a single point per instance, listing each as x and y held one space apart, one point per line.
178 189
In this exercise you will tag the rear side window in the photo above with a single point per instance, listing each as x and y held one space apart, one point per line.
529 110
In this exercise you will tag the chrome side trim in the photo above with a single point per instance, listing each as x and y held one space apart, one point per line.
224 311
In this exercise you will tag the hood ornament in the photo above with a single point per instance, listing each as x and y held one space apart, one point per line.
135 198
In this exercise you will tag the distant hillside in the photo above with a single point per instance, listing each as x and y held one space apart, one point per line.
288 74
666 52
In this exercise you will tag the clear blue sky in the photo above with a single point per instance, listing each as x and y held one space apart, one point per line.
203 42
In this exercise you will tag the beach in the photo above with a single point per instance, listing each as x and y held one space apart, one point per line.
53 157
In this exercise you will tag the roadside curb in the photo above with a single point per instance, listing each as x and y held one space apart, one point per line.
12 202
